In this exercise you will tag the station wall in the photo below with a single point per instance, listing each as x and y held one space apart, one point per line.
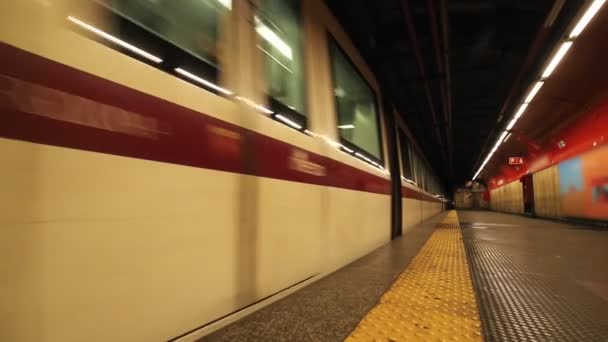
546 193
508 198
570 179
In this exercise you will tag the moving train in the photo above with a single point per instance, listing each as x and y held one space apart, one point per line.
170 166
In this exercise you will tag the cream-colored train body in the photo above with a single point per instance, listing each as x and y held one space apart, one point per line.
106 247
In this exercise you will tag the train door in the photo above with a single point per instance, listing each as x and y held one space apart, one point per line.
395 171
528 190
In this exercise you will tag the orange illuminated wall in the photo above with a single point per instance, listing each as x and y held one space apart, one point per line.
582 162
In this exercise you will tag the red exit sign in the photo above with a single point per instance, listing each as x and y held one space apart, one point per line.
516 160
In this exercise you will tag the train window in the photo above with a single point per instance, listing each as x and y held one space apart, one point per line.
192 25
413 164
358 121
424 184
417 169
278 25
406 165
181 37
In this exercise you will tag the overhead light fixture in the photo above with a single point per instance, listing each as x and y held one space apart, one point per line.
115 40
346 126
521 111
557 59
590 12
502 137
202 81
586 18
534 91
288 121
271 37
511 124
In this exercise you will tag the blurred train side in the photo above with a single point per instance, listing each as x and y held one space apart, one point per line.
110 232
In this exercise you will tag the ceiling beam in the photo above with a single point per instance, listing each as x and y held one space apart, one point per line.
413 37
535 49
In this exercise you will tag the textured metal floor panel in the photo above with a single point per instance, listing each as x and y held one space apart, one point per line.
530 278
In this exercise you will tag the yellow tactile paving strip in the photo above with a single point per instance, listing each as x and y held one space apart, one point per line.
432 300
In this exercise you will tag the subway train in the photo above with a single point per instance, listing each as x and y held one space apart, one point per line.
170 166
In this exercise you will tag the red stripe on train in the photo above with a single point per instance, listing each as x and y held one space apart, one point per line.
46 102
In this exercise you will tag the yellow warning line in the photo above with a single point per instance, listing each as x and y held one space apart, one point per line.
432 300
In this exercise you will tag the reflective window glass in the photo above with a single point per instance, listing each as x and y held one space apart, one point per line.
278 25
358 121
417 168
405 156
191 25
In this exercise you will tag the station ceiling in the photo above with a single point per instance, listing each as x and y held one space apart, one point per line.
453 69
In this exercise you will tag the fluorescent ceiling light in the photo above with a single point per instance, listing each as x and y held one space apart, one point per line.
557 58
346 126
202 81
502 137
115 40
586 18
288 121
271 37
511 124
521 111
534 90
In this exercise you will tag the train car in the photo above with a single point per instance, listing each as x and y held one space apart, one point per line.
170 166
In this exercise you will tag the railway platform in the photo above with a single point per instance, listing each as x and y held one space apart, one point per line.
461 276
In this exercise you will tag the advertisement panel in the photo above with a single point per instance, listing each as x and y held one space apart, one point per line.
584 185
